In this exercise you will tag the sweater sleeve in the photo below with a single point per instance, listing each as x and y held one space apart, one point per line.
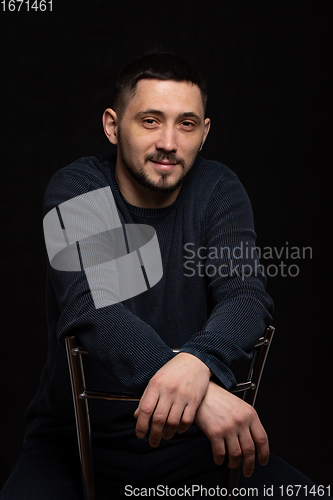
79 221
241 309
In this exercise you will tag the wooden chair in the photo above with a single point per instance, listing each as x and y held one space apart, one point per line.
249 388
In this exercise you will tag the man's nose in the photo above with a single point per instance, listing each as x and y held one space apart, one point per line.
167 140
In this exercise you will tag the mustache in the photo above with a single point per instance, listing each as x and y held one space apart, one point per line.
169 157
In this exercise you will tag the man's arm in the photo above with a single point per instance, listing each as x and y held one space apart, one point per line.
128 348
240 308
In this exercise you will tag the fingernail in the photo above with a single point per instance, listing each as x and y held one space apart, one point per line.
154 444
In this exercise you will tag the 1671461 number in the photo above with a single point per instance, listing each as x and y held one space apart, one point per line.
27 5
300 490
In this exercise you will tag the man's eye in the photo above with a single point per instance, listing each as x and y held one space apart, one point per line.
149 121
187 124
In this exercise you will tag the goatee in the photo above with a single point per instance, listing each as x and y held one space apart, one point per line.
162 185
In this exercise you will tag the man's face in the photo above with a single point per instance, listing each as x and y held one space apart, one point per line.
160 134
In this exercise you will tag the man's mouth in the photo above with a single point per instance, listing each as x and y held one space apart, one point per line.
164 166
165 162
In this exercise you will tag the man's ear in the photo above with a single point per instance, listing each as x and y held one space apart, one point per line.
206 130
110 125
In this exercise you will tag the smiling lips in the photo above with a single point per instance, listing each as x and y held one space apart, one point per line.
164 163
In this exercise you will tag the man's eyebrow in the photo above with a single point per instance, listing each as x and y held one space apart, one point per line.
149 111
152 111
190 114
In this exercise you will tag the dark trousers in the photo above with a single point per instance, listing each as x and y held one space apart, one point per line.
129 468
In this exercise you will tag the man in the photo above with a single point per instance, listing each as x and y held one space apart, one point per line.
146 254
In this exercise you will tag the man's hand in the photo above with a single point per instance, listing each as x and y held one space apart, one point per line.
230 423
172 398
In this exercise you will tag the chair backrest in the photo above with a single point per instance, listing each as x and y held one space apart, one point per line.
249 388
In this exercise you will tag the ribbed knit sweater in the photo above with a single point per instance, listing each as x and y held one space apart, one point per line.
210 302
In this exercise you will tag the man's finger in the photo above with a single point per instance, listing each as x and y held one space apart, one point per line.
248 453
234 450
158 421
144 412
218 449
173 421
261 440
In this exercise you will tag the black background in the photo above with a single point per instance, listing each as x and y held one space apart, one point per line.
267 68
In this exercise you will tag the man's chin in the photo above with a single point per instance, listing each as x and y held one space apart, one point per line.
164 184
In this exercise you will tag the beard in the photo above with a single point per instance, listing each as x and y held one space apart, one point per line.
162 185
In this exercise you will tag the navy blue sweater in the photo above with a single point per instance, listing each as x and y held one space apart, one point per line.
210 301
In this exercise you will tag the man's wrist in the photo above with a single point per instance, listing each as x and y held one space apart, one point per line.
209 371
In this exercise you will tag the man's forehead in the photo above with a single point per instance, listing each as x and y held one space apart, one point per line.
166 95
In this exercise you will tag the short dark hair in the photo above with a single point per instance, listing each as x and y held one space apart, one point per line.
157 65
